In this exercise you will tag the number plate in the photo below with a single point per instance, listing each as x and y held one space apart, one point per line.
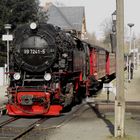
34 51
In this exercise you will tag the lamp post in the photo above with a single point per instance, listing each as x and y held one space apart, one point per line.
7 27
130 47
7 38
113 33
114 21
134 50
130 25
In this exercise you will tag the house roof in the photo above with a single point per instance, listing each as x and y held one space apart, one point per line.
67 18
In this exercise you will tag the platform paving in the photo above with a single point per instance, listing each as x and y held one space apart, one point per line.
92 125
131 89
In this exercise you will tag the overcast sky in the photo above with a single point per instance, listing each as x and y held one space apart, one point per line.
99 10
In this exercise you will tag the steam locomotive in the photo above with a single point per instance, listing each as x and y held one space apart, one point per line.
51 70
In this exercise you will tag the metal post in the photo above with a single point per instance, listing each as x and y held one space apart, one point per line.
136 58
120 100
7 58
7 38
127 62
134 53
130 39
129 70
130 47
129 58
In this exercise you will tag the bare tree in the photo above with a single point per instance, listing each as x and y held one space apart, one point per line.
58 3
42 15
92 38
106 27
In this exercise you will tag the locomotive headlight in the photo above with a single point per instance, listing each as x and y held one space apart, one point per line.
17 76
47 76
33 25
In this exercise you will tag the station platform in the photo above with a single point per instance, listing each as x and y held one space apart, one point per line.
90 124
131 89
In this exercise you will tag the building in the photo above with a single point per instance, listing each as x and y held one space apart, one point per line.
71 19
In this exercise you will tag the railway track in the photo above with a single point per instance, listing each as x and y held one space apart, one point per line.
105 106
35 128
18 128
8 121
29 128
9 130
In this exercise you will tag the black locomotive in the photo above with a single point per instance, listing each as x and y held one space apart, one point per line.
45 67
51 70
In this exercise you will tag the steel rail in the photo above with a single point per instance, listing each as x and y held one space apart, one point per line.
29 128
8 121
